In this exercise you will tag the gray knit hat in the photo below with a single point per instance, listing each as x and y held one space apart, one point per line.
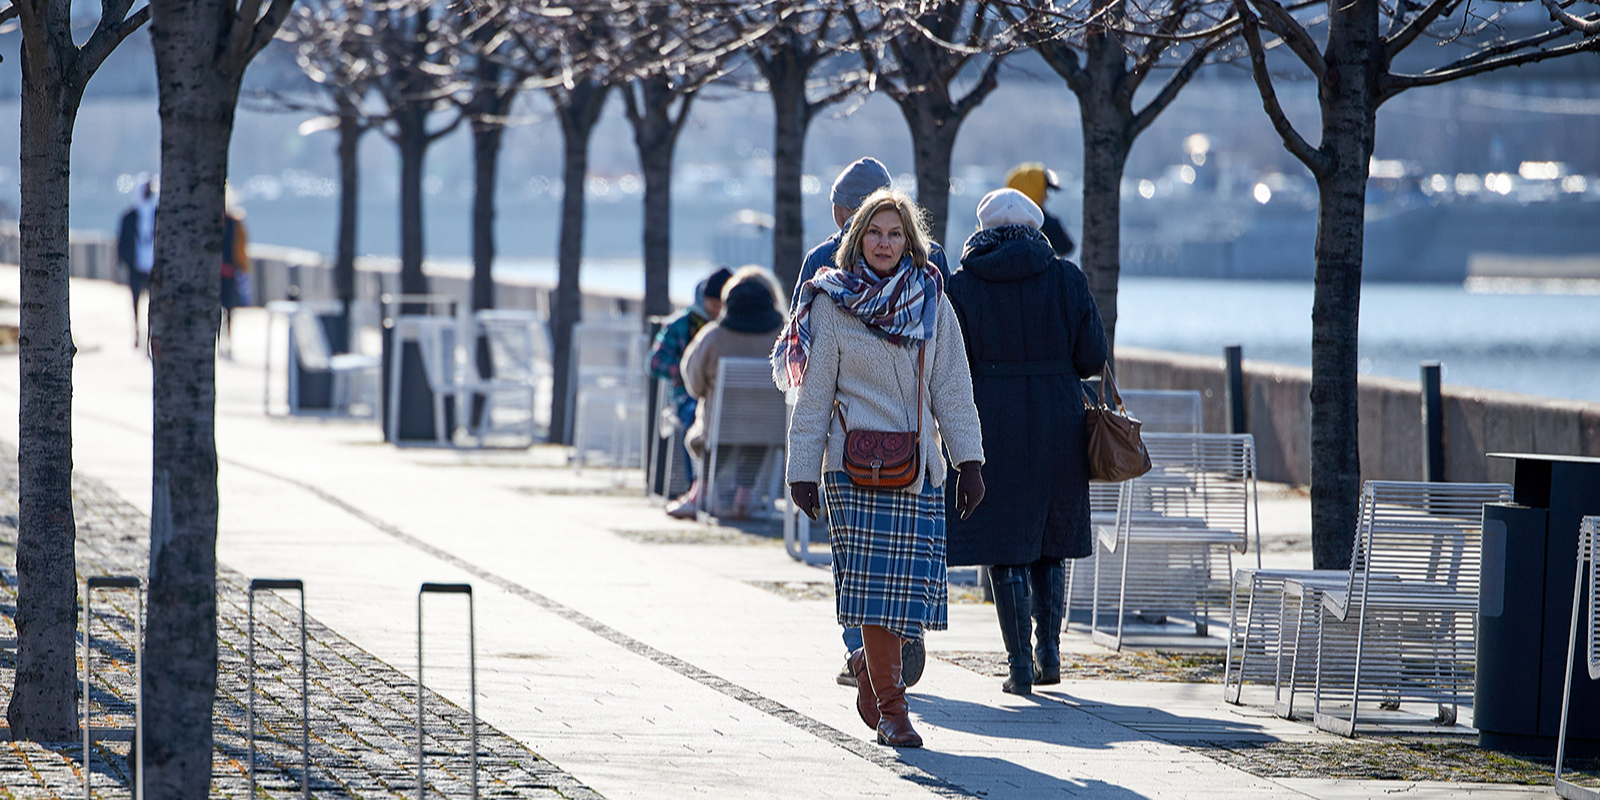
858 180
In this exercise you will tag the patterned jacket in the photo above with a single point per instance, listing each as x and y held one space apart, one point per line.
670 344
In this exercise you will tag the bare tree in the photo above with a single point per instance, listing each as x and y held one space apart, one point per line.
670 52
1105 50
1350 51
927 50
564 51
201 49
800 36
417 73
55 70
332 38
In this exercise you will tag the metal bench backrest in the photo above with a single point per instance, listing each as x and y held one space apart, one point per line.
608 355
310 341
1202 479
518 344
1158 411
749 409
436 339
1422 533
1588 549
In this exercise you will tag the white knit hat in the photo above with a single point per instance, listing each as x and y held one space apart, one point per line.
1008 207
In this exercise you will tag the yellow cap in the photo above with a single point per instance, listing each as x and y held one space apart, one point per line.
1032 179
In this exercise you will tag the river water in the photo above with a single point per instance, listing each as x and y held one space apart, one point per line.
1535 338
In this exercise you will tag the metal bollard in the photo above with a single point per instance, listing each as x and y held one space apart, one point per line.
472 677
89 586
1233 355
284 585
1432 423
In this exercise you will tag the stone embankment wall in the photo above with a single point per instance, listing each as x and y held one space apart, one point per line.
1278 412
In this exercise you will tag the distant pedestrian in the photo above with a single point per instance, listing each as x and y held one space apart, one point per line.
749 325
136 243
1032 331
235 270
665 358
850 188
870 338
1032 179
855 182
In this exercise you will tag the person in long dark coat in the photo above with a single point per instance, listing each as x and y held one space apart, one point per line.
1032 331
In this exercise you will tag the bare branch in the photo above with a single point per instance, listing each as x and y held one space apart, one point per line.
113 28
1396 84
1294 35
1587 26
1296 144
1175 83
1417 25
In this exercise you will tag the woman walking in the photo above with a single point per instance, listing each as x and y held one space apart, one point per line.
875 353
1032 331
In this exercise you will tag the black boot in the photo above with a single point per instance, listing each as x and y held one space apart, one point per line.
1049 579
1011 606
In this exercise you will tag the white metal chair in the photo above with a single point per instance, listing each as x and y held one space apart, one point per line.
1588 576
745 441
666 449
1158 411
1178 526
607 393
519 353
355 376
1403 626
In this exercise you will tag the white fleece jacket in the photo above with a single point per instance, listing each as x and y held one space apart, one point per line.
875 381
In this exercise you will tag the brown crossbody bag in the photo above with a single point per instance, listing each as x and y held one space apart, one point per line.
884 459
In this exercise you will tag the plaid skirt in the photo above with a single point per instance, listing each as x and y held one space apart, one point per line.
888 556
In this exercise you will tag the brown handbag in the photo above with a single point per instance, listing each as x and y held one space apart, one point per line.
1116 453
884 459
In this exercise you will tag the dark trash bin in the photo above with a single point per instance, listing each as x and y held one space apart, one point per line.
416 398
1530 550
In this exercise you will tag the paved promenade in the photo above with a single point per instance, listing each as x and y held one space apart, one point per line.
639 669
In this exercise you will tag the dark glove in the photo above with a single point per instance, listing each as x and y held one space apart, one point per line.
969 488
805 497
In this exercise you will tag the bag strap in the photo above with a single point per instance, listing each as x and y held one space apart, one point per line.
838 409
1108 386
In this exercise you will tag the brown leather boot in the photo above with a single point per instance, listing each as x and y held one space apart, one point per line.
883 667
866 700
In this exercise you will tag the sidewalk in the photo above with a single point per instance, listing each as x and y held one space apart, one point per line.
646 670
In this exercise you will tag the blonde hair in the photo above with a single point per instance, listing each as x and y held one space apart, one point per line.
912 218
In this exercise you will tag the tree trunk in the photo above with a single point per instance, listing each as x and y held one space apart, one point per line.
1349 121
486 139
788 159
933 138
655 132
42 700
1107 138
656 164
412 141
579 113
344 265
197 100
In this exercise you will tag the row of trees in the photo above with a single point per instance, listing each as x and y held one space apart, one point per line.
417 69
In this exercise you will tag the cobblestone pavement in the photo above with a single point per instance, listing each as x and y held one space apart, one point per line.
363 718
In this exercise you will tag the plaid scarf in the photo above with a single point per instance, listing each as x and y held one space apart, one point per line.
903 307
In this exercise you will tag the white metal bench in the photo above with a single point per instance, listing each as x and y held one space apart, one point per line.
1403 627
1178 526
1158 411
519 353
1587 575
